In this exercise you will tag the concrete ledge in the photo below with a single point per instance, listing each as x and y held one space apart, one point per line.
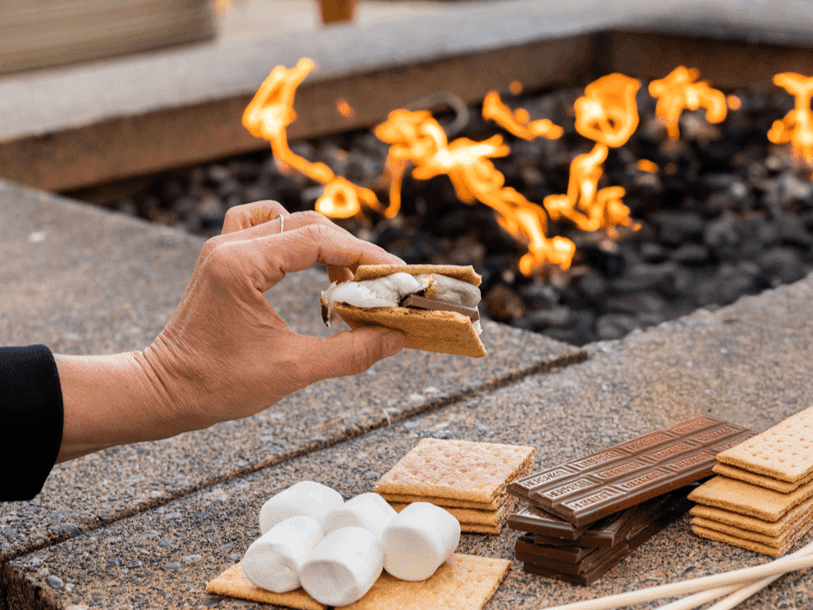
118 119
747 363
82 280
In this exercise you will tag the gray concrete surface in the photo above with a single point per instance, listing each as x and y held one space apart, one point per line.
42 103
748 363
85 281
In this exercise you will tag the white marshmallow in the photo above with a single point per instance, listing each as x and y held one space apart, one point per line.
418 540
384 291
305 498
272 561
370 511
343 567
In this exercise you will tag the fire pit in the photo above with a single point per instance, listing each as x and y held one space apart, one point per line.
704 212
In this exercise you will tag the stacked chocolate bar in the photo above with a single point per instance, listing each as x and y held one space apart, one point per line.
585 516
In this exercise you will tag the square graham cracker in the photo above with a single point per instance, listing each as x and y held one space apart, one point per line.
494 504
475 521
464 582
750 545
445 332
746 499
752 524
455 469
771 541
732 472
784 452
234 583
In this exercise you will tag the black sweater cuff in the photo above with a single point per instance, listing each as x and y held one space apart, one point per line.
31 418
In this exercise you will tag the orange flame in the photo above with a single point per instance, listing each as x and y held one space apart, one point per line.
268 115
678 91
418 138
608 114
515 87
518 122
734 102
797 126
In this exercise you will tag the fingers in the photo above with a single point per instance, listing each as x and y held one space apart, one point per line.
241 217
267 259
349 352
326 245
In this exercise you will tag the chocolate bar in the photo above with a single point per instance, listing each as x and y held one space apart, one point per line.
587 489
413 300
591 564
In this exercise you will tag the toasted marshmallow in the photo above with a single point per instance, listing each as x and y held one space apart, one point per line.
418 540
304 498
385 291
272 561
390 290
343 567
369 510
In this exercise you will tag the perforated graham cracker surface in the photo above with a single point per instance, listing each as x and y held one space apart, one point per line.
784 452
803 511
732 472
464 582
462 470
747 499
459 272
234 583
445 332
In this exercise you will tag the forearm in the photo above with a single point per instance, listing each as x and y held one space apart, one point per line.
111 400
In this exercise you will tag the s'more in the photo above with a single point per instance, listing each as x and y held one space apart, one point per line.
435 306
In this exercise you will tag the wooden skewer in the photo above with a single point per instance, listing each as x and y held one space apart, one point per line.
698 599
747 591
740 577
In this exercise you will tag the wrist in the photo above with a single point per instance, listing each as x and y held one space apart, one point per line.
111 400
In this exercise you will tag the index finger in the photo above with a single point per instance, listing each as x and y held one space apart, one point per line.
276 255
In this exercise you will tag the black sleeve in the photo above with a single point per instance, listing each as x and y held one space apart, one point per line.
30 420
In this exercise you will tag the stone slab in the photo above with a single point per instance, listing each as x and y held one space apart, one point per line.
86 281
747 363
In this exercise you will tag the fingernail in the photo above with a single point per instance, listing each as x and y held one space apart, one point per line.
393 342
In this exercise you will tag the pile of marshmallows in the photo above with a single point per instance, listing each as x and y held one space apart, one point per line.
336 550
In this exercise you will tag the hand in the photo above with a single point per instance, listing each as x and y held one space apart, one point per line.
225 354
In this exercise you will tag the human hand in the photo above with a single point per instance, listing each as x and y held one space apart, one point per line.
226 353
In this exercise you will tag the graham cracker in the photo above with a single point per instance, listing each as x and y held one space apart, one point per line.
733 472
445 332
463 582
234 583
772 541
472 520
747 499
456 469
796 514
784 452
494 504
749 544
459 272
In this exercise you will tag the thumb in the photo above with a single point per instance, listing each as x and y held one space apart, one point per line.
352 352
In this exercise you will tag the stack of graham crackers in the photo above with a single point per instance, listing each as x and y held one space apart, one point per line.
465 478
762 499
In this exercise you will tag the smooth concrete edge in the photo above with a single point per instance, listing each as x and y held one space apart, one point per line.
38 104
